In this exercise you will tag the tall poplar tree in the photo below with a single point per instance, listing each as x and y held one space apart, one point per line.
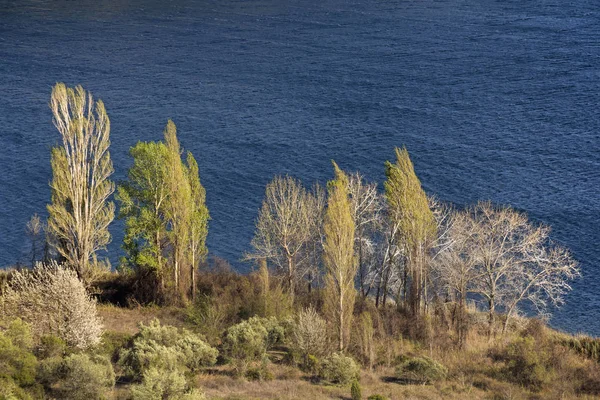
339 260
198 221
164 204
80 212
409 210
143 200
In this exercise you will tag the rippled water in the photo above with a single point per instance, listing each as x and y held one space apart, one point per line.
494 100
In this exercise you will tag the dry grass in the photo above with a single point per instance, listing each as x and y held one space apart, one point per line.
127 320
219 385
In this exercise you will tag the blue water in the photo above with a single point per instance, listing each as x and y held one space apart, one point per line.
494 100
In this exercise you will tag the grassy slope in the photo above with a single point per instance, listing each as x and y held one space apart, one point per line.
471 371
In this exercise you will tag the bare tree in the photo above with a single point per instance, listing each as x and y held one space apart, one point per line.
366 207
80 212
35 229
453 262
286 227
514 260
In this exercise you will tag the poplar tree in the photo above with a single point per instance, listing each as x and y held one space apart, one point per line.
164 204
178 211
198 221
80 212
339 260
408 208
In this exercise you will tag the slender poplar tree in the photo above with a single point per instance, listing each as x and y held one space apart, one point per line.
339 260
198 221
408 208
80 212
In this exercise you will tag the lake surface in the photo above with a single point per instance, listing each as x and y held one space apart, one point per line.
494 99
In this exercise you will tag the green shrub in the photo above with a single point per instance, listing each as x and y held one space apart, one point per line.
355 391
164 348
16 360
77 377
421 370
51 346
339 369
9 390
112 342
259 371
377 397
246 341
525 364
158 384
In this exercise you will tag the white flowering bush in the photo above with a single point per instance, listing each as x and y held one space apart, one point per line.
309 335
53 300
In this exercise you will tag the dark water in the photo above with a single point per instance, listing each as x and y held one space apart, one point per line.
494 99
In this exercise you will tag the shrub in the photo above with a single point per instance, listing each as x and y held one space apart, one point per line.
246 340
158 384
17 363
51 346
377 397
525 364
339 369
77 377
111 343
259 372
309 335
421 370
54 301
165 348
355 391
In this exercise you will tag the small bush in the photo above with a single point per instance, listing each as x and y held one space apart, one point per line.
165 348
355 391
17 363
158 384
377 397
339 369
525 364
246 341
421 370
259 372
309 334
77 377
54 301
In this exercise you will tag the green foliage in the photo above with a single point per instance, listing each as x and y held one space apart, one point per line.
17 363
259 371
525 363
158 384
247 340
338 257
163 203
421 370
355 391
77 377
586 346
51 346
339 369
165 348
377 397
111 343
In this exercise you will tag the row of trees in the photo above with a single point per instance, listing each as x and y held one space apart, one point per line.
400 244
163 201
408 247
